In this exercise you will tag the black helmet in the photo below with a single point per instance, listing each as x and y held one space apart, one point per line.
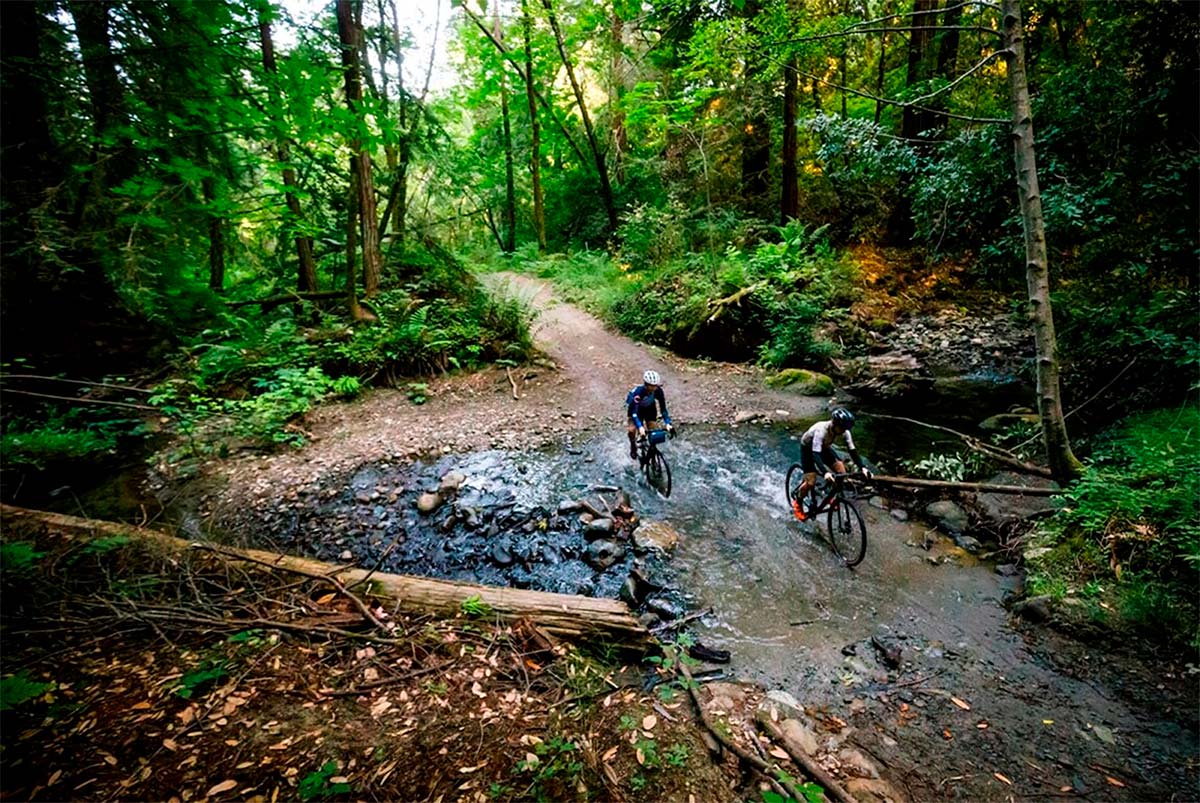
843 418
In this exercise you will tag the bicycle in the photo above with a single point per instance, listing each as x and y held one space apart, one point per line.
652 462
847 531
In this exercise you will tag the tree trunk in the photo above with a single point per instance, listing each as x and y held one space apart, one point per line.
789 199
606 191
216 238
535 155
349 23
1063 463
510 193
881 73
620 138
561 615
947 58
306 272
111 163
916 121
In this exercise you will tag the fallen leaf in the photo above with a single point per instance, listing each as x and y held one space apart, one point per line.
774 714
946 734
1113 781
982 725
1047 722
223 786
325 599
779 752
144 704
54 778
960 703
641 757
170 744
1000 777
608 755
465 770
649 721
340 779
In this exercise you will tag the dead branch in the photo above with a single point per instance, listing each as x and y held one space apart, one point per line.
512 382
358 603
982 487
832 788
986 449
767 770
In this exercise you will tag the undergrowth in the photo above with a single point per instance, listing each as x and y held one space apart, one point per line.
1129 533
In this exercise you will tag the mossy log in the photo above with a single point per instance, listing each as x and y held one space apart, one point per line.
562 615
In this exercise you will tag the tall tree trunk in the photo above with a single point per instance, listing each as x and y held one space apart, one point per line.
881 73
1063 462
535 154
616 95
606 191
349 23
916 121
756 129
789 199
947 57
306 272
111 163
510 193
216 237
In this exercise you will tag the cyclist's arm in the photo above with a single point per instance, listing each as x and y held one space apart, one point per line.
662 401
632 410
855 455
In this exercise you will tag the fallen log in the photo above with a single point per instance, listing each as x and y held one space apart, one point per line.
968 486
562 615
291 297
833 790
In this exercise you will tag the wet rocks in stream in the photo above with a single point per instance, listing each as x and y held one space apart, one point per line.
491 518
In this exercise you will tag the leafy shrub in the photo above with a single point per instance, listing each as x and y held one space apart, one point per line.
1134 519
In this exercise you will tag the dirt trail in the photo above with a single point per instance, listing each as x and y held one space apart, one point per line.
593 368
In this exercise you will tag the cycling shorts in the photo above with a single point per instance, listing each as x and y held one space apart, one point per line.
809 464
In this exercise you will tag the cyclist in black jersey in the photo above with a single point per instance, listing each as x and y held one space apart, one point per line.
817 455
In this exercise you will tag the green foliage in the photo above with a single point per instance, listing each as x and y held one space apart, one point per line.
18 557
956 467
475 607
766 302
202 677
1133 520
553 766
319 784
54 436
19 688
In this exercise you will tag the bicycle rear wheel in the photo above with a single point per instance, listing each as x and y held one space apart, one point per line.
658 473
847 532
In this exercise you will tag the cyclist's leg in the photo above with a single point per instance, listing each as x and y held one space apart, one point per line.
632 431
809 467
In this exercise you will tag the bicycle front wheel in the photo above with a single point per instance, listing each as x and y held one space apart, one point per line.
659 473
847 532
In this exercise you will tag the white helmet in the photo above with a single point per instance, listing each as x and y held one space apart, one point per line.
651 378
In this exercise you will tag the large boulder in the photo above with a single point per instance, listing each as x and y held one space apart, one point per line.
803 381
949 516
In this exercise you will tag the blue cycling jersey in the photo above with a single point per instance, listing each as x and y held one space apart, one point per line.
642 406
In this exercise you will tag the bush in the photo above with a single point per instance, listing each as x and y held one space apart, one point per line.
1133 520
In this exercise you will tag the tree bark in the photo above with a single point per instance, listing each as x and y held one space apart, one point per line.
789 194
1063 463
349 24
606 191
306 270
535 154
510 193
216 239
981 487
917 121
558 614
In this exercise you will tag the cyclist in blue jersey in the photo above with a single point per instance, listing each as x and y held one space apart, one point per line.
642 406
817 455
